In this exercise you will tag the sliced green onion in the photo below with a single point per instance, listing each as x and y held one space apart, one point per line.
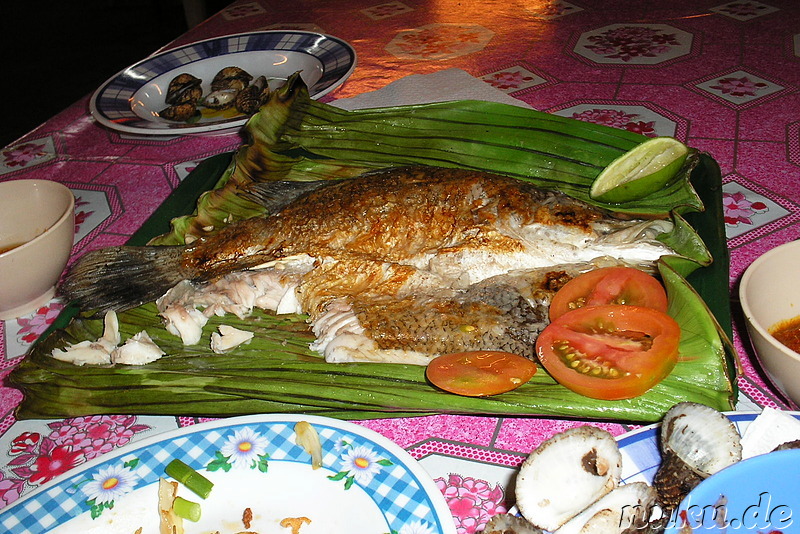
190 478
186 509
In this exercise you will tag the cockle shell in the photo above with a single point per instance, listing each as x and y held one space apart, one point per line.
178 112
627 508
183 94
510 524
221 98
252 97
696 442
567 473
184 89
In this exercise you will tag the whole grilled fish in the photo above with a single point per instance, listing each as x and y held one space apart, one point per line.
385 257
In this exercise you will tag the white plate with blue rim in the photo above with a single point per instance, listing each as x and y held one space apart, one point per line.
130 101
254 463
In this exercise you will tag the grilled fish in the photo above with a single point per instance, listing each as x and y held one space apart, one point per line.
405 263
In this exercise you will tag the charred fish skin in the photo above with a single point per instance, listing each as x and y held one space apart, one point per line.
121 278
458 226
461 225
274 196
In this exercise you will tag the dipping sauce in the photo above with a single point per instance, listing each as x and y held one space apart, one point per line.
788 333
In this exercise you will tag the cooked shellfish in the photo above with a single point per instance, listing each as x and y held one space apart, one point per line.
626 508
567 473
789 445
179 112
221 99
230 87
183 95
510 524
696 442
231 78
252 97
184 89
226 86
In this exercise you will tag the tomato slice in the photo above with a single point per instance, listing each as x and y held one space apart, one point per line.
610 352
609 285
479 373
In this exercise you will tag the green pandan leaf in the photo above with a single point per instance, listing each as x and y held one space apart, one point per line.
299 139
703 345
548 150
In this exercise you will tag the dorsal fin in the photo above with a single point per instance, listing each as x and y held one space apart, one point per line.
277 195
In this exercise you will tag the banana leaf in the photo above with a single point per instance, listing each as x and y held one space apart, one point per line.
291 138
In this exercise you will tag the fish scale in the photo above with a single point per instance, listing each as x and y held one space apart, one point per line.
499 319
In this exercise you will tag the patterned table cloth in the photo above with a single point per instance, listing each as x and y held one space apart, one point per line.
721 76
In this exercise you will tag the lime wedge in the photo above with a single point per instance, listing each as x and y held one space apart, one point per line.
641 171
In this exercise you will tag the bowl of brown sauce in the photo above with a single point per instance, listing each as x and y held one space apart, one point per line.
37 229
769 293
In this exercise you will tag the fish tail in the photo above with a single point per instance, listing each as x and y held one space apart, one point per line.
120 278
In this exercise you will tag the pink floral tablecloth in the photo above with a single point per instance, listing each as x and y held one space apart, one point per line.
721 76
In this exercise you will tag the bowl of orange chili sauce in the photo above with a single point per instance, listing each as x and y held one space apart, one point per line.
769 293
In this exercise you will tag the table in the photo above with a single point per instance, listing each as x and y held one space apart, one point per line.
720 76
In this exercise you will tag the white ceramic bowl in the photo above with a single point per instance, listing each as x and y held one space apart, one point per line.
770 293
37 219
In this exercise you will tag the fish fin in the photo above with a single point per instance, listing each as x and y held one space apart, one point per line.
275 196
120 278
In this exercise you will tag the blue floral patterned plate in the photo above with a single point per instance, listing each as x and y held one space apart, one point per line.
130 101
366 481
